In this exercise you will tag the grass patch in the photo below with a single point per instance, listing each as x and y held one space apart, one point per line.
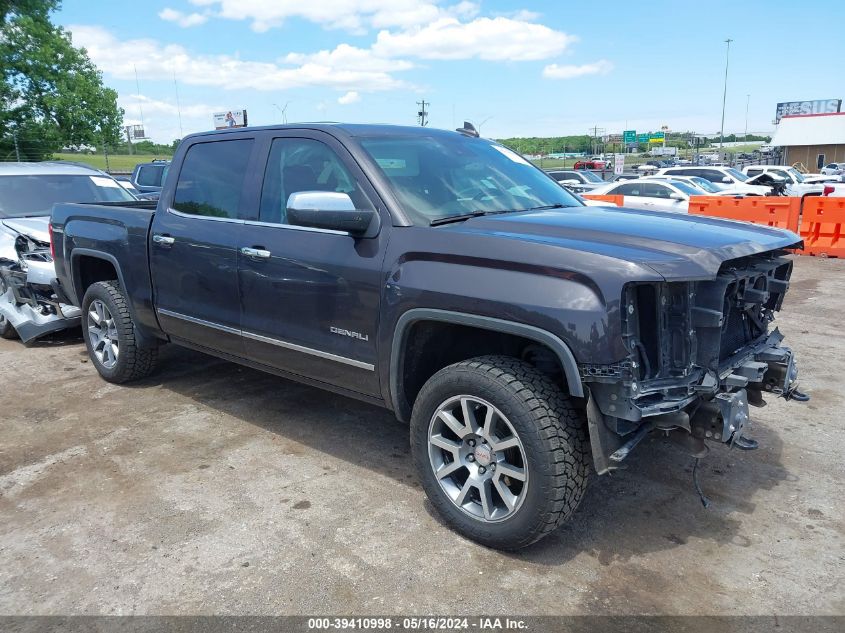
117 162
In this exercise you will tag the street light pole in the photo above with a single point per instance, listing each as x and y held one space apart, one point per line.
724 95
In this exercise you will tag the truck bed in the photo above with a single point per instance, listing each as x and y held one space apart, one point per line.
120 234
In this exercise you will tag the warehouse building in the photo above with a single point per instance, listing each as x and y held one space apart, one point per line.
813 140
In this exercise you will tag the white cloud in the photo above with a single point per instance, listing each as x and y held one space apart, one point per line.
349 97
348 57
554 71
153 60
492 39
182 19
351 15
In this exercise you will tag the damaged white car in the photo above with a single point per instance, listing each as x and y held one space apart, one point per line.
32 303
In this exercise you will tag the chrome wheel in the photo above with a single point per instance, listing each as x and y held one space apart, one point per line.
102 333
477 458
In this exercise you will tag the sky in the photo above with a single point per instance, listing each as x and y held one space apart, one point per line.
522 68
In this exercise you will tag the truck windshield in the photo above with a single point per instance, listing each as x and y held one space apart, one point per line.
443 176
35 195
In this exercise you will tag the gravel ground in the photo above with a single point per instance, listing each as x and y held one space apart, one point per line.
212 488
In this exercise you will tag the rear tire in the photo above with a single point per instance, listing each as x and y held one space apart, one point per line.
508 482
109 335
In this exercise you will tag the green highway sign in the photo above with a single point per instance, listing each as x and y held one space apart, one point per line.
659 135
629 136
642 138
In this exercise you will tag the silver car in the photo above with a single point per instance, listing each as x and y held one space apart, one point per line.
31 302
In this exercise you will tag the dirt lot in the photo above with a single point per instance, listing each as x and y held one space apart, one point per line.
217 489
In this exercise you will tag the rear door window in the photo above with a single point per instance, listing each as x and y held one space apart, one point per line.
212 177
150 175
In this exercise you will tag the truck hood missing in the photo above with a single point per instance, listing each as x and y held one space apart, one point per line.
675 246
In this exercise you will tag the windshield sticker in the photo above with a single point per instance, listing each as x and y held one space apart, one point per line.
510 154
101 181
391 163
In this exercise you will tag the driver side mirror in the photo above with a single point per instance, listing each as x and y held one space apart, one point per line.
676 196
330 210
726 179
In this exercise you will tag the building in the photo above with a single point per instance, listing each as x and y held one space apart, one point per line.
812 139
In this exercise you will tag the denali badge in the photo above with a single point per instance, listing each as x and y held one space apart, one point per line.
358 335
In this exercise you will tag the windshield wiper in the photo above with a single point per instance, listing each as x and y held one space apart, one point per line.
467 216
556 205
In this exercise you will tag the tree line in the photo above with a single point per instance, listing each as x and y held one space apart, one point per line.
51 93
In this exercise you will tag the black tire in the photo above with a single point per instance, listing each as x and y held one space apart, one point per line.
133 362
553 433
7 331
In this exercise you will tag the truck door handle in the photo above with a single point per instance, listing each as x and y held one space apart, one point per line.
163 240
257 254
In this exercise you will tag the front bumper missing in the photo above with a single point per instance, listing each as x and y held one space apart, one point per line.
705 406
31 322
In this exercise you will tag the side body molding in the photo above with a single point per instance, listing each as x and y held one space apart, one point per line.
558 346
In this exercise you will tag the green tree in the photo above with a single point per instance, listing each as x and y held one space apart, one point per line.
51 94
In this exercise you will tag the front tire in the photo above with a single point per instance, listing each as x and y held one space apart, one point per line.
109 335
7 330
501 452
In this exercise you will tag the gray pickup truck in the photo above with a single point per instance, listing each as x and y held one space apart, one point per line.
523 335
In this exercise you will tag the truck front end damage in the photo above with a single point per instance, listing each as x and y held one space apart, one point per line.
699 353
30 297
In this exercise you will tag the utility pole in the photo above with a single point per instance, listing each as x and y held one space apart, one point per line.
138 88
747 103
422 115
178 106
17 150
724 95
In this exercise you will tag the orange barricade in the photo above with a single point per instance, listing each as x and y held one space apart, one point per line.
779 211
822 226
617 200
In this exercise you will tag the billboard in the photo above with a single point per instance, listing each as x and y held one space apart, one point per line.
819 106
229 118
135 132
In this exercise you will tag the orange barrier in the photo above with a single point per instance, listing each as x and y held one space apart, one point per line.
822 226
778 211
617 200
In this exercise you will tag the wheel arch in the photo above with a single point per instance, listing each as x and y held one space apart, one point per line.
82 277
402 407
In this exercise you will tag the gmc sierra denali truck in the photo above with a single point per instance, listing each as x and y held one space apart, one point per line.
523 335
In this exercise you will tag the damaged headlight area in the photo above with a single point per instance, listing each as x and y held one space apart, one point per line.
699 352
30 299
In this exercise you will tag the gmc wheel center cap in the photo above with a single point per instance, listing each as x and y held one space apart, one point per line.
483 455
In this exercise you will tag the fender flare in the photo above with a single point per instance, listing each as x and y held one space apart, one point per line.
408 318
142 336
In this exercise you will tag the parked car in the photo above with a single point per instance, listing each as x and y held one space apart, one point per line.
833 169
32 304
652 194
649 167
581 181
683 161
797 184
522 334
722 177
148 177
834 189
590 164
707 188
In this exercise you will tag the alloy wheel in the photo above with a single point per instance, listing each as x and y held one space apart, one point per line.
102 332
477 458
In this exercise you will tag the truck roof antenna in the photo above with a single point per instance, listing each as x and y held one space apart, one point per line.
468 129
